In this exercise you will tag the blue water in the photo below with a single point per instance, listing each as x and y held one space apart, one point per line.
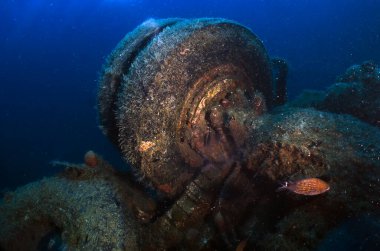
51 53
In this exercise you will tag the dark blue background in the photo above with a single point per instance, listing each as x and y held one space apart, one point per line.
51 53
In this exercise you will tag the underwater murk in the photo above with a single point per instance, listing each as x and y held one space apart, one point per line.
219 125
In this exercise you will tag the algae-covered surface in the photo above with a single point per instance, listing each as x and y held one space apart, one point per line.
86 214
244 134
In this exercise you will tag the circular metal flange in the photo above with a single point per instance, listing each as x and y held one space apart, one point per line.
203 133
184 71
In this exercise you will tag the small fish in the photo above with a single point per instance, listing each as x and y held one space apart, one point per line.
310 186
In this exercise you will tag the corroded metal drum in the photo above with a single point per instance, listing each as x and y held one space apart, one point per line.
161 84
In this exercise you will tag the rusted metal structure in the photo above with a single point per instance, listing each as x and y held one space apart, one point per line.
191 105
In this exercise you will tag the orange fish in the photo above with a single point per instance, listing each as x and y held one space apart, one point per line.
310 186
